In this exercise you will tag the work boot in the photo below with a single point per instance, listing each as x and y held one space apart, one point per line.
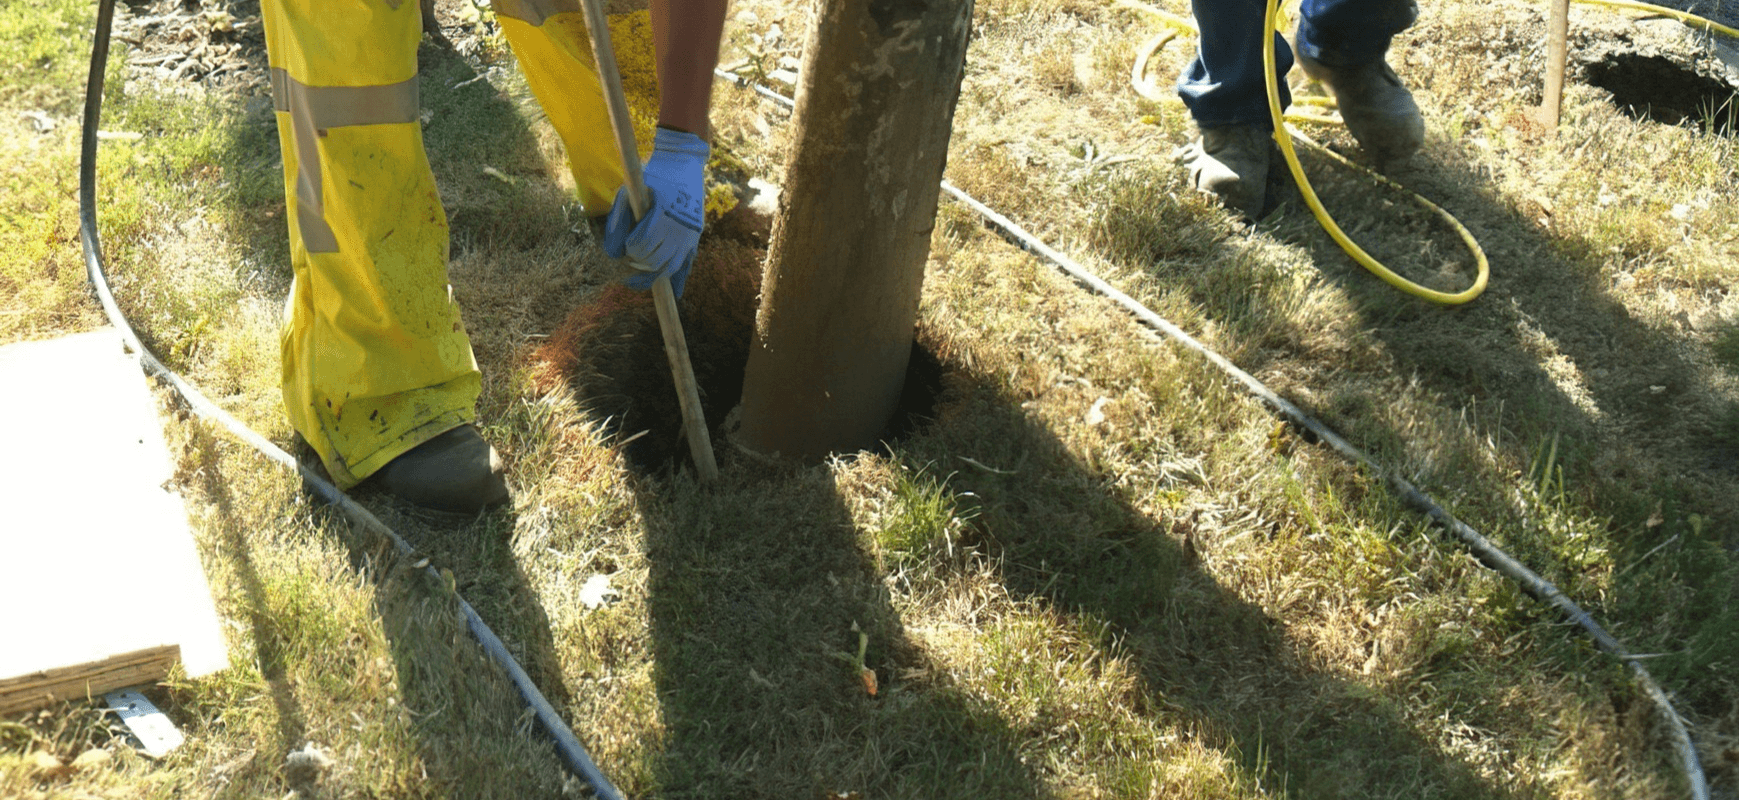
1231 163
1378 109
457 472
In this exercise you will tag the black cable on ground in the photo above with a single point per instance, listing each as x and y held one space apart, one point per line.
1482 548
572 753
1487 553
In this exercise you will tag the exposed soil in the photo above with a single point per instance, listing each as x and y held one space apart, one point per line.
1660 72
610 355
218 45
1657 88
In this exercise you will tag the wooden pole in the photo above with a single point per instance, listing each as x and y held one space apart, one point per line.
839 300
1557 55
700 444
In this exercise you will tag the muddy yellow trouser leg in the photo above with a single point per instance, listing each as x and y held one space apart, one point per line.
549 38
375 359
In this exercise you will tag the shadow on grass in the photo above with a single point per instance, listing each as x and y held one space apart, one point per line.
1549 363
1549 296
453 702
756 584
1639 430
755 589
1209 661
269 650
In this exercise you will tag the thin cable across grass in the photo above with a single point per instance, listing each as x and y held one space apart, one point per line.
1482 548
572 752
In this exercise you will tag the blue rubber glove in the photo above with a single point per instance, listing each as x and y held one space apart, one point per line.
664 240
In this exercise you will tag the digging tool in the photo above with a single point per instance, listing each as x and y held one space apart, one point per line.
663 297
1557 53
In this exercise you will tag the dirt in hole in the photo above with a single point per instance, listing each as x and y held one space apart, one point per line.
610 353
1656 88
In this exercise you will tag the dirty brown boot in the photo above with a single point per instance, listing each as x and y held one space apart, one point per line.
1378 109
457 472
1231 163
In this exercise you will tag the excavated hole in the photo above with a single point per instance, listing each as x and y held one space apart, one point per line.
610 354
1655 88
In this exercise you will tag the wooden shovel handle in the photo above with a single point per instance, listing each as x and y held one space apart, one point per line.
700 444
1557 55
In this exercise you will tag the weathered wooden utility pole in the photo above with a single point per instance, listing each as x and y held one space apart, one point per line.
840 297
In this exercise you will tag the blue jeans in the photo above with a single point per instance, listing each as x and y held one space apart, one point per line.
1224 84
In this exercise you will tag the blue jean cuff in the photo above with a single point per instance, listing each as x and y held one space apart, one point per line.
1347 43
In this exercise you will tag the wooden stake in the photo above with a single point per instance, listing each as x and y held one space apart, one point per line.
663 296
1557 54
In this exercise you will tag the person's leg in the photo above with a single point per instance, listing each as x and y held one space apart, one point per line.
1224 84
1352 33
550 41
1342 43
375 359
1226 91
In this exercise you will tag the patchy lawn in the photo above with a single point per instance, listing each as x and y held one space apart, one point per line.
1099 571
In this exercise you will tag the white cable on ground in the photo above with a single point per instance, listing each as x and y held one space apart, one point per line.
1481 548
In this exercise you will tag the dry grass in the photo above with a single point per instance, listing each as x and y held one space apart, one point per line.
1171 597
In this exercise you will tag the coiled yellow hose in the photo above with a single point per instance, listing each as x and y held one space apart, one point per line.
1180 25
1364 259
1283 135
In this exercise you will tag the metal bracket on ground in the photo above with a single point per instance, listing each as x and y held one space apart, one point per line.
157 735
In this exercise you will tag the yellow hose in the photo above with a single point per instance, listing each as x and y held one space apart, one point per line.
1283 135
1138 71
1375 267
1138 77
1181 23
1148 89
1682 16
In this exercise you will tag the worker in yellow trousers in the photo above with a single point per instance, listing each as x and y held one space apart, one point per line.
378 374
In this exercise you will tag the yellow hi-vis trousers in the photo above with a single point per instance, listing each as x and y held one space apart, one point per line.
375 357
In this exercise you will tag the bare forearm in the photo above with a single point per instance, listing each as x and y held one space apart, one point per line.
687 36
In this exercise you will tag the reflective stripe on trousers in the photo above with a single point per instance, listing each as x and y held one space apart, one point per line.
375 356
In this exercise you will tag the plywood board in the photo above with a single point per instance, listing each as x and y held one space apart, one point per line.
80 681
97 563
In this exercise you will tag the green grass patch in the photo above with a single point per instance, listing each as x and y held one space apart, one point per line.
921 515
1726 347
44 50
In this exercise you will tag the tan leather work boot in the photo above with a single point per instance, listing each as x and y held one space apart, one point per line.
1378 109
456 472
1231 163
